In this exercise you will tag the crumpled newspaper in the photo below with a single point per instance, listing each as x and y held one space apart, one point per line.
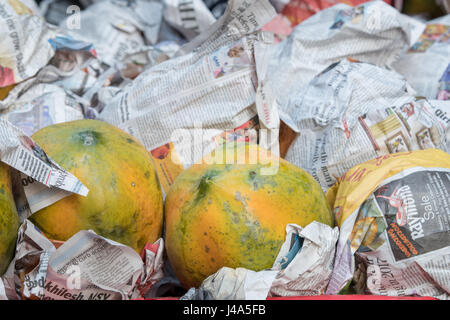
72 59
118 28
303 267
353 112
86 84
77 68
85 267
24 42
373 32
42 105
426 65
32 104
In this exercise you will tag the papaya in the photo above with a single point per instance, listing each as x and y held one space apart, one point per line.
222 214
431 9
125 201
9 219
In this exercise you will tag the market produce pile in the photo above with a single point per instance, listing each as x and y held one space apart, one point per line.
215 149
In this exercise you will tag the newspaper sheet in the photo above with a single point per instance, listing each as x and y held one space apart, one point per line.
24 276
180 109
292 13
86 267
24 42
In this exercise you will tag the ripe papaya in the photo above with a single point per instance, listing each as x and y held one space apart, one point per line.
9 219
235 214
125 201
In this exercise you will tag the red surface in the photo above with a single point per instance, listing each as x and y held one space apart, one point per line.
350 297
324 297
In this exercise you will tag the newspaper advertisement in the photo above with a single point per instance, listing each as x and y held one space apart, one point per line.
354 112
181 109
24 46
426 64
394 231
85 267
303 267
